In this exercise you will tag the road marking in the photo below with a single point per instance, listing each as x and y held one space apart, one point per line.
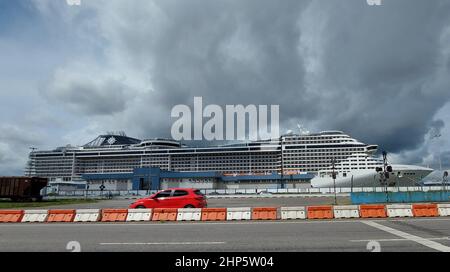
407 236
165 243
399 239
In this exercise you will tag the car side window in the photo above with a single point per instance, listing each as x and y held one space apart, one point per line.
198 192
180 193
163 194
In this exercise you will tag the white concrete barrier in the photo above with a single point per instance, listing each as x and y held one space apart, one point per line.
293 213
399 210
87 215
35 216
444 209
139 215
348 211
239 213
189 214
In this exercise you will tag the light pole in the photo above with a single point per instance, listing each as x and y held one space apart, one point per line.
445 179
282 162
333 163
435 136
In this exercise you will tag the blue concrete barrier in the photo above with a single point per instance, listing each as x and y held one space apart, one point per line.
399 197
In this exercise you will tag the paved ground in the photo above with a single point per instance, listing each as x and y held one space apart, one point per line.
337 235
222 202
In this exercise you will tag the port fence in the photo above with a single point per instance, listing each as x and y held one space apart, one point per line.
211 192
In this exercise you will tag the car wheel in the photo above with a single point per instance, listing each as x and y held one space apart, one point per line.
189 207
140 207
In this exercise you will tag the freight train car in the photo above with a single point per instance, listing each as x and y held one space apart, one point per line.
22 188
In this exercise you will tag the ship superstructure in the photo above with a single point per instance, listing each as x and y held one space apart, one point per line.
118 153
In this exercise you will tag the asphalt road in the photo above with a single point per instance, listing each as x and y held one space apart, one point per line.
413 234
220 202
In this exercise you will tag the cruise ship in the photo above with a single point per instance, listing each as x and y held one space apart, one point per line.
289 154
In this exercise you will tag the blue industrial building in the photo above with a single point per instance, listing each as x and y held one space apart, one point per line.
154 178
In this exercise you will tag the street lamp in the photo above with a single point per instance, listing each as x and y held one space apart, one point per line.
384 174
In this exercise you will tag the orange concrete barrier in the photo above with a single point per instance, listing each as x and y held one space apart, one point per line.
61 216
11 216
372 211
264 213
165 214
320 212
214 214
114 215
425 210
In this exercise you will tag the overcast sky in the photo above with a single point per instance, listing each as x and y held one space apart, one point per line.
379 73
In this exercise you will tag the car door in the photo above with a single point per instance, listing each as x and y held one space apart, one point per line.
162 199
180 198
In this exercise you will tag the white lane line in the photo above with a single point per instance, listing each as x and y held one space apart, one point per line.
414 238
398 239
165 243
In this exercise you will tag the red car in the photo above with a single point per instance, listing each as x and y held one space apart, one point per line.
172 198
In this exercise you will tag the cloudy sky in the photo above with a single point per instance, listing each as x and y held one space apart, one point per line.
379 73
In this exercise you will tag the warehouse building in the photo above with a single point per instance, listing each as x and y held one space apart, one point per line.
153 178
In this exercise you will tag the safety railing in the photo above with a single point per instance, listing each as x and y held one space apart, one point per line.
141 193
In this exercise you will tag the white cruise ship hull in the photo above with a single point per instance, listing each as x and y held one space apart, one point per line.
402 175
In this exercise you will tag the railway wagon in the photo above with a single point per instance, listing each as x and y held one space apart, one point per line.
22 188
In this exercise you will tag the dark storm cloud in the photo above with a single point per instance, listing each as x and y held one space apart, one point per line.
238 52
87 93
381 67
435 127
378 73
